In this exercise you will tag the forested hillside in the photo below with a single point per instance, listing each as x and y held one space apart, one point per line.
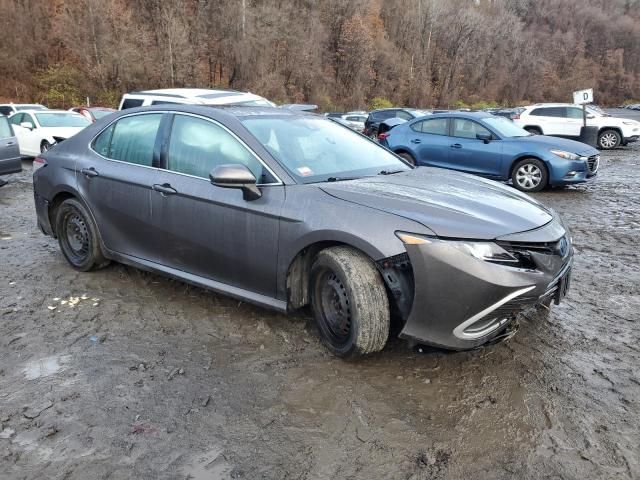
336 53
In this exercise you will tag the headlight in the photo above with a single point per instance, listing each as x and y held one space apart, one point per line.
487 251
567 155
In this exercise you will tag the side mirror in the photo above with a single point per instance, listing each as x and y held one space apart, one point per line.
236 176
485 137
28 125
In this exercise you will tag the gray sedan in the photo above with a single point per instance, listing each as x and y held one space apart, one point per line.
286 210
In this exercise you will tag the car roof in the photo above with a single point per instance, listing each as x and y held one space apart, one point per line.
48 110
196 95
237 111
552 105
469 115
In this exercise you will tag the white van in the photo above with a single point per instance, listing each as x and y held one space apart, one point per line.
198 96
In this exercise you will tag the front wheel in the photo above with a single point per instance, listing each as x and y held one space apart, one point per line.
529 175
78 236
609 139
349 302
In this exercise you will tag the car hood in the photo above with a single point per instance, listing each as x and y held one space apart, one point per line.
450 204
557 143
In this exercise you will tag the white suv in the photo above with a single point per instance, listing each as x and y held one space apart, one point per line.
202 96
565 120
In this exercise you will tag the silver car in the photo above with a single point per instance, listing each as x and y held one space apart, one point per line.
9 151
286 210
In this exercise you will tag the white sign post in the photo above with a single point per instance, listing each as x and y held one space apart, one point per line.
582 97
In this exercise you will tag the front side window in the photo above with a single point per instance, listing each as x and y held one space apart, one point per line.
317 150
17 118
435 126
573 112
130 139
5 128
61 119
465 128
197 146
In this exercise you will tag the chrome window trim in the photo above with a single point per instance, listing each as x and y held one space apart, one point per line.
90 145
162 112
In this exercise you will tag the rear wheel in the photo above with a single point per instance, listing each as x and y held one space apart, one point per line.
349 302
408 157
608 139
529 175
78 236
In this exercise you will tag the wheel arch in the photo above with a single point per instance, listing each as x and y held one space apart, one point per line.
618 130
62 195
527 155
534 127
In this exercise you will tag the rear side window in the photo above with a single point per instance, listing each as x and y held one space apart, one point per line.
132 103
435 126
130 139
404 115
197 146
5 128
379 116
549 112
465 128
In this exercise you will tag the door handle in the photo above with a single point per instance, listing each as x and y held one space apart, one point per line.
164 189
8 144
89 172
415 140
456 145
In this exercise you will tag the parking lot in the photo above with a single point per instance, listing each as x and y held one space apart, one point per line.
124 374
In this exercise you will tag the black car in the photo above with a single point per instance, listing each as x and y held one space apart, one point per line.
372 123
286 209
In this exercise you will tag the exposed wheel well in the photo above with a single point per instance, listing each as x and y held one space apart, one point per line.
53 206
615 129
533 127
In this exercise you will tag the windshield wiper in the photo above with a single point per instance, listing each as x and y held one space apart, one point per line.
389 172
340 179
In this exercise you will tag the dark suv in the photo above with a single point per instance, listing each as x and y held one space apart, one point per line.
377 116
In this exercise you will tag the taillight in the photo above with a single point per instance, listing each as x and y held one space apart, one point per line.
38 163
382 136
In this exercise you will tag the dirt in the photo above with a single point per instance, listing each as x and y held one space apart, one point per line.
123 374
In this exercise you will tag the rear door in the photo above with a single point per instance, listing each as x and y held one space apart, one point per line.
573 121
116 177
551 119
210 231
9 151
430 141
469 154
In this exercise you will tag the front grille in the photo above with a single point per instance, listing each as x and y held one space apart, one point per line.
593 162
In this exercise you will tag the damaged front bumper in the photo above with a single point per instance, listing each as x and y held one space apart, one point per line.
461 301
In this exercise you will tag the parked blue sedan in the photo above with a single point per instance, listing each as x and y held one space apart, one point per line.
493 147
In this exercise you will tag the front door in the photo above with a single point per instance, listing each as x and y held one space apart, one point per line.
210 231
470 154
116 177
9 152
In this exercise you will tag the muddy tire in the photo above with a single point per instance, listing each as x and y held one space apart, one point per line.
529 175
78 236
408 157
609 139
349 302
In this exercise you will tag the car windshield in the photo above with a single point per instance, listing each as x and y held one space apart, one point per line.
505 127
101 113
314 149
61 119
30 107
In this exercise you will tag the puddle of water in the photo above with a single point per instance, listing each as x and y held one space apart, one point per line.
210 465
45 367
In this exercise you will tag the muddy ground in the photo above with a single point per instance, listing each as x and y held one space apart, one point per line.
150 378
